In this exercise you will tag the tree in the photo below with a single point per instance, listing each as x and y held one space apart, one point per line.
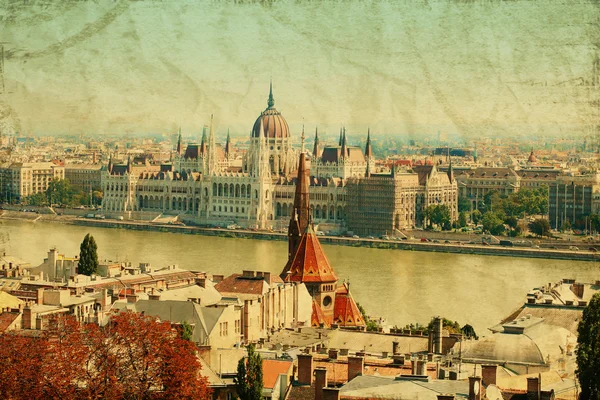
186 331
60 192
88 256
476 216
249 379
540 227
38 199
588 350
469 332
492 223
464 204
438 214
462 219
566 226
132 357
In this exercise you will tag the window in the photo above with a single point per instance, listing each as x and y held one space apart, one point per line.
327 301
238 326
223 328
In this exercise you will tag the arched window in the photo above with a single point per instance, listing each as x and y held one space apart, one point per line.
226 190
231 190
214 189
220 189
243 191
278 211
237 190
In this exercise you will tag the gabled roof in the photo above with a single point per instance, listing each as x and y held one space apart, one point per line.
310 264
237 283
272 369
318 318
346 312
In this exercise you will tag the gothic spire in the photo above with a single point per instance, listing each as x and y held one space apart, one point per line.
299 220
316 150
271 101
368 149
302 138
179 142
450 170
341 138
344 154
228 145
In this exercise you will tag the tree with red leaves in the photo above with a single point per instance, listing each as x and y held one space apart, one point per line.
132 357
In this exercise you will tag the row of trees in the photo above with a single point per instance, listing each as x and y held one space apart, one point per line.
60 191
132 357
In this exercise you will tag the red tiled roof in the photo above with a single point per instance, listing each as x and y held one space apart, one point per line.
271 371
6 319
236 283
346 312
310 263
318 318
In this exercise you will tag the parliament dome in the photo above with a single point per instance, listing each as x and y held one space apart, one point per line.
274 125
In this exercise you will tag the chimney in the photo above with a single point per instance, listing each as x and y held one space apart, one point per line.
267 276
27 318
355 367
217 278
39 298
331 393
422 367
437 335
305 369
474 388
488 373
248 274
333 353
201 282
395 346
577 288
442 396
132 298
533 388
320 382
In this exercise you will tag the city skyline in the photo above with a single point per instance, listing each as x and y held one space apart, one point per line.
470 69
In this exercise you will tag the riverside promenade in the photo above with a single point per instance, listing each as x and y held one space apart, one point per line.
447 246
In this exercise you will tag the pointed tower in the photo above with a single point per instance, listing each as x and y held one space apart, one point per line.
212 149
228 145
450 170
271 101
300 213
316 148
110 164
341 137
129 166
203 144
179 142
344 154
368 149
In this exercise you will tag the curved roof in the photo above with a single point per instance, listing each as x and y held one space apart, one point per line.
274 125
505 347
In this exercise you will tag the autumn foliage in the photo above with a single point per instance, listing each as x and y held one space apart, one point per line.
132 357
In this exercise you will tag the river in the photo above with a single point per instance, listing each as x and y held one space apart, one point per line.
401 286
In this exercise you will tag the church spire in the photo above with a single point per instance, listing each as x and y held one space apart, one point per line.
450 170
368 149
299 220
271 101
302 138
344 154
179 142
228 145
341 137
212 149
316 149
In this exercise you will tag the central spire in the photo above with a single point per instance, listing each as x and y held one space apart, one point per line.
271 101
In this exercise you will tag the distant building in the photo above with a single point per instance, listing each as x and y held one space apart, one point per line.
19 180
383 203
572 198
85 177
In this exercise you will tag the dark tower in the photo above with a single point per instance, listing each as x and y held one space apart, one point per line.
368 149
344 154
228 145
300 213
316 148
179 143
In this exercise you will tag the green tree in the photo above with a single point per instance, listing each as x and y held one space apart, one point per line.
88 256
464 204
60 192
249 378
463 219
492 223
588 350
469 332
476 216
566 226
38 199
439 215
186 331
540 227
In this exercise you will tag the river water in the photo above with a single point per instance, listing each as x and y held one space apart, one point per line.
401 286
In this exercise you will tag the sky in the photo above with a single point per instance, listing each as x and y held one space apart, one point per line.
472 67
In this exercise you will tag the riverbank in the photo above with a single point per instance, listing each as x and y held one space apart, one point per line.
410 245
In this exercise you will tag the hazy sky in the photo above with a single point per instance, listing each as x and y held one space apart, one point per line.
469 66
